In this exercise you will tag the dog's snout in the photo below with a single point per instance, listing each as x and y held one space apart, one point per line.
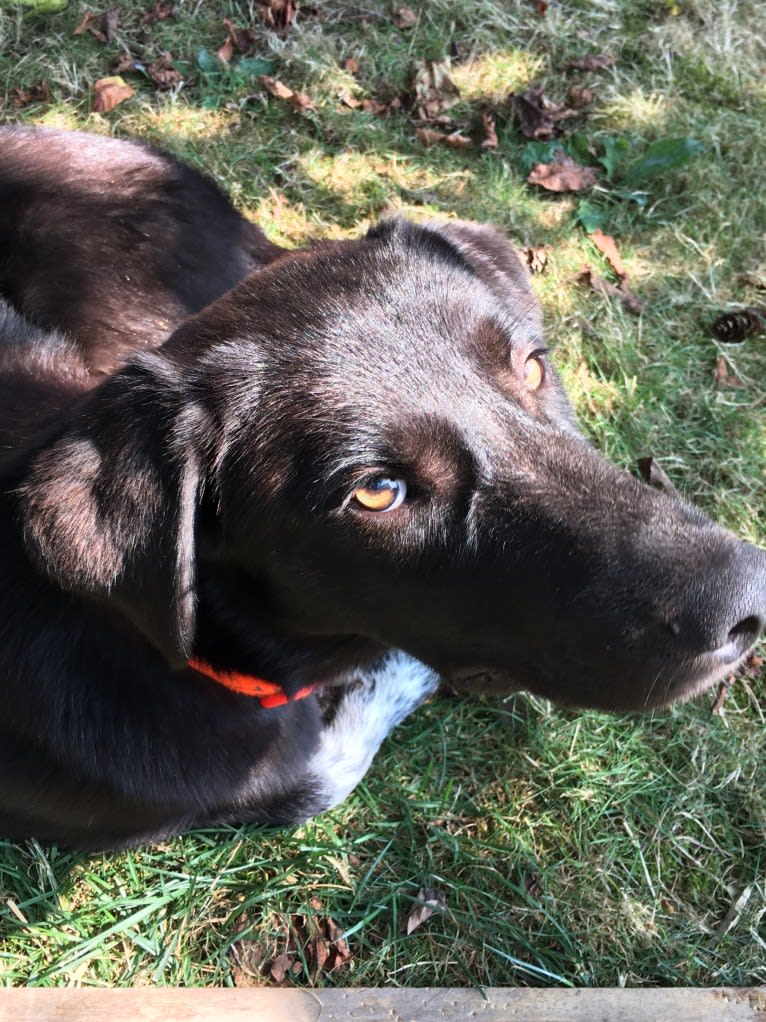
731 615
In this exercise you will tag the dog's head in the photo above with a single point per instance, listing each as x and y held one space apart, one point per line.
366 445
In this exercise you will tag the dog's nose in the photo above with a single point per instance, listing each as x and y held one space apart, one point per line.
732 616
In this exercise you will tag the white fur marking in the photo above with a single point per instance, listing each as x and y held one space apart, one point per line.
384 695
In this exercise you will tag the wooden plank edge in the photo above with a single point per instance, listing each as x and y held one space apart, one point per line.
167 1004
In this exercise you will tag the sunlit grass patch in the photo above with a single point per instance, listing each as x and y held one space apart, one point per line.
494 75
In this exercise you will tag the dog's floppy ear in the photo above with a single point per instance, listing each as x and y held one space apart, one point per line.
109 503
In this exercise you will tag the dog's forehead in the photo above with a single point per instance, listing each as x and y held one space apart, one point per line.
413 320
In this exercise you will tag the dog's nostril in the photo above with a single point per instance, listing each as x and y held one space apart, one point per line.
746 631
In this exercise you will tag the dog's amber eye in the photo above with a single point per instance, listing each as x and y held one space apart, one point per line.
534 372
381 494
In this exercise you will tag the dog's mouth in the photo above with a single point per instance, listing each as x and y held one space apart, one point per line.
679 685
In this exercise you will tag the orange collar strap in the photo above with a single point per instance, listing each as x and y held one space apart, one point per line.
268 693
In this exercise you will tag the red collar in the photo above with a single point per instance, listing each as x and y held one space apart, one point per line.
268 693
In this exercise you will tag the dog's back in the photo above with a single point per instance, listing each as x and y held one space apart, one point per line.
114 242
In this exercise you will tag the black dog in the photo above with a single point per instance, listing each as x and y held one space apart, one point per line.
361 449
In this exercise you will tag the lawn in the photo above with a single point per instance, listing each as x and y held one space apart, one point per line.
565 848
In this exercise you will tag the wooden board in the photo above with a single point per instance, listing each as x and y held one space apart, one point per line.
161 1004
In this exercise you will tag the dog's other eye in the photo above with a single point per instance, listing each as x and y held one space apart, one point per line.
534 371
380 494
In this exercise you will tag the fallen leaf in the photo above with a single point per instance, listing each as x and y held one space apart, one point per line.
630 301
433 89
280 967
534 113
404 17
225 52
278 14
374 106
348 100
735 327
299 100
607 246
109 93
579 96
103 26
563 174
655 476
590 62
429 137
429 901
537 258
39 93
722 376
163 74
488 130
161 10
123 63
243 40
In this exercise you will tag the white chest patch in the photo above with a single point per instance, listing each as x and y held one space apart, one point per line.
378 699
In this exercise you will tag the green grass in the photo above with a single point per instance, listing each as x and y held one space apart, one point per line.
570 848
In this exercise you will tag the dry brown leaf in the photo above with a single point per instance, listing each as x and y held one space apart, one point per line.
537 258
374 106
562 174
404 17
722 376
348 100
429 137
488 130
102 26
534 113
109 93
537 115
607 246
275 88
579 96
242 40
278 14
433 89
299 100
280 967
123 63
39 93
590 62
225 52
161 10
163 74
630 301
429 901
